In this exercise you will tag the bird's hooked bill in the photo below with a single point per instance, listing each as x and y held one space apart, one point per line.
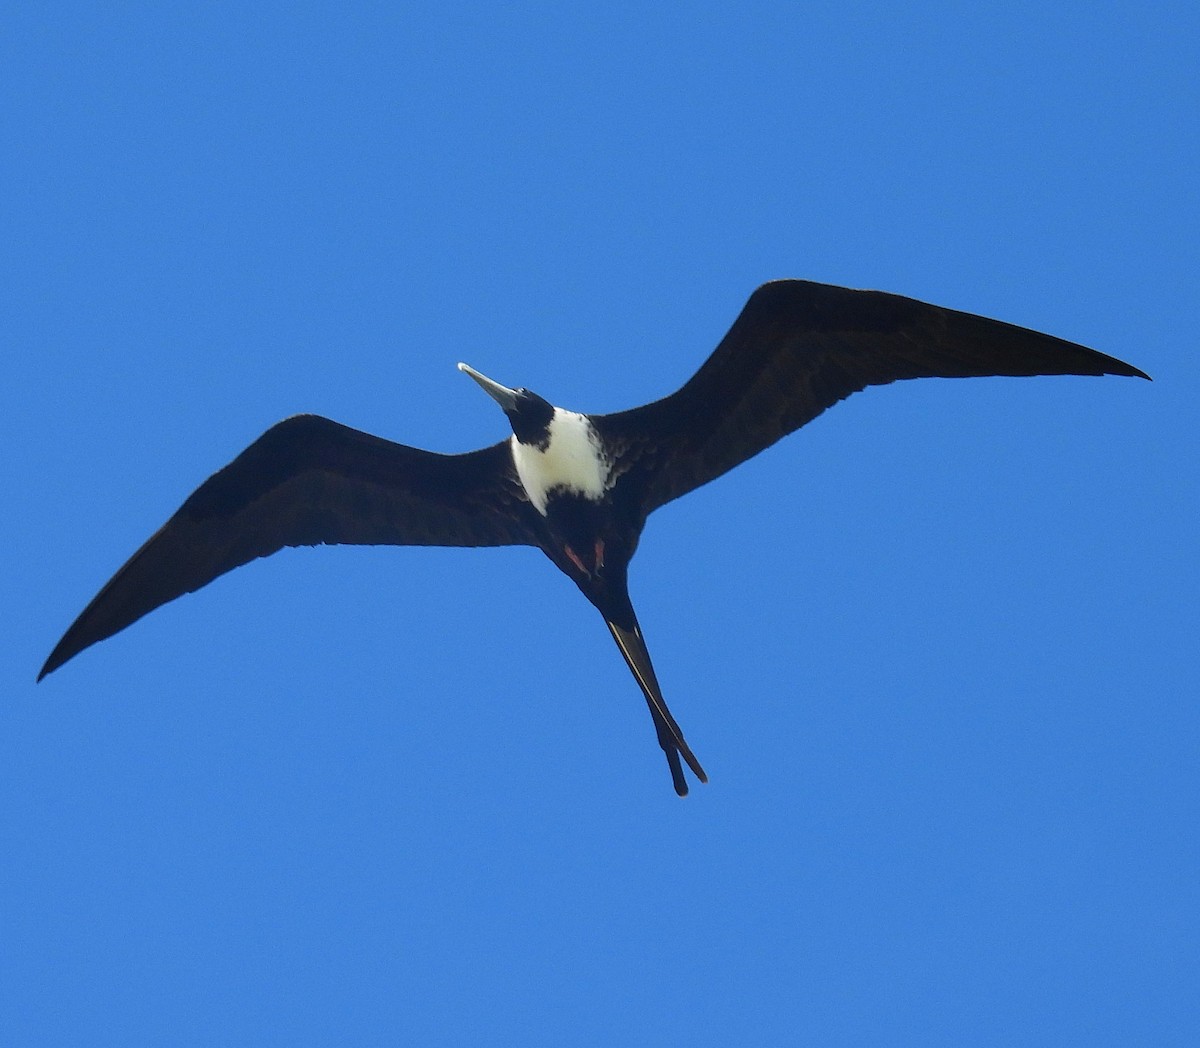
502 395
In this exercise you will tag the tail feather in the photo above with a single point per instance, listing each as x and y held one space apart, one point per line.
670 738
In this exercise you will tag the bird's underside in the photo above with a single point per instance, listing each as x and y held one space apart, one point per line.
796 349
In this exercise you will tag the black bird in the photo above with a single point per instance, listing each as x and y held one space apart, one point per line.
579 487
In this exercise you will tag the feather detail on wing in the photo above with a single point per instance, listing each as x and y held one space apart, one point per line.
305 482
798 348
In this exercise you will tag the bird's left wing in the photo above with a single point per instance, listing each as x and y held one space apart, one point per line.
305 482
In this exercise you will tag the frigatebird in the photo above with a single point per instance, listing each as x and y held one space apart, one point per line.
579 487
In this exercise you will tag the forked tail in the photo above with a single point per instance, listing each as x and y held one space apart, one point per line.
670 738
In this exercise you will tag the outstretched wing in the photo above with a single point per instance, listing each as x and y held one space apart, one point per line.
798 348
304 482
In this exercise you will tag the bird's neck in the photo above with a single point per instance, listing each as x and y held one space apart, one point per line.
568 458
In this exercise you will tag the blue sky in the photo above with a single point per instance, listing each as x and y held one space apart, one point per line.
936 651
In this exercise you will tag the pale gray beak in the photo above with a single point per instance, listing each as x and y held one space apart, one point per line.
502 395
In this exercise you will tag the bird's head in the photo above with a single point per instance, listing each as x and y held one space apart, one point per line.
528 413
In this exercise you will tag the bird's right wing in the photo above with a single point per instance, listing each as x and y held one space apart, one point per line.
798 348
305 482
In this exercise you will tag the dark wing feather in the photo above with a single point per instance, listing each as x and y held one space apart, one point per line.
798 348
304 482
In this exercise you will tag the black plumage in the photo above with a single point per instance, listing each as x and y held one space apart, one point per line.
796 349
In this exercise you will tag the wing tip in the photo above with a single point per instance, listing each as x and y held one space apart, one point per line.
56 659
1110 365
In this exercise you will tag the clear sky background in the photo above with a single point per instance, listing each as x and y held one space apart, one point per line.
937 651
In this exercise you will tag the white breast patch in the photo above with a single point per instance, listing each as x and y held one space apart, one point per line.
573 461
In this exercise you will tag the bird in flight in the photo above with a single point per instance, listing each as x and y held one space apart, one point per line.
579 487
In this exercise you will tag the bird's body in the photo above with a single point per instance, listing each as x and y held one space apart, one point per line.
570 460
578 486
